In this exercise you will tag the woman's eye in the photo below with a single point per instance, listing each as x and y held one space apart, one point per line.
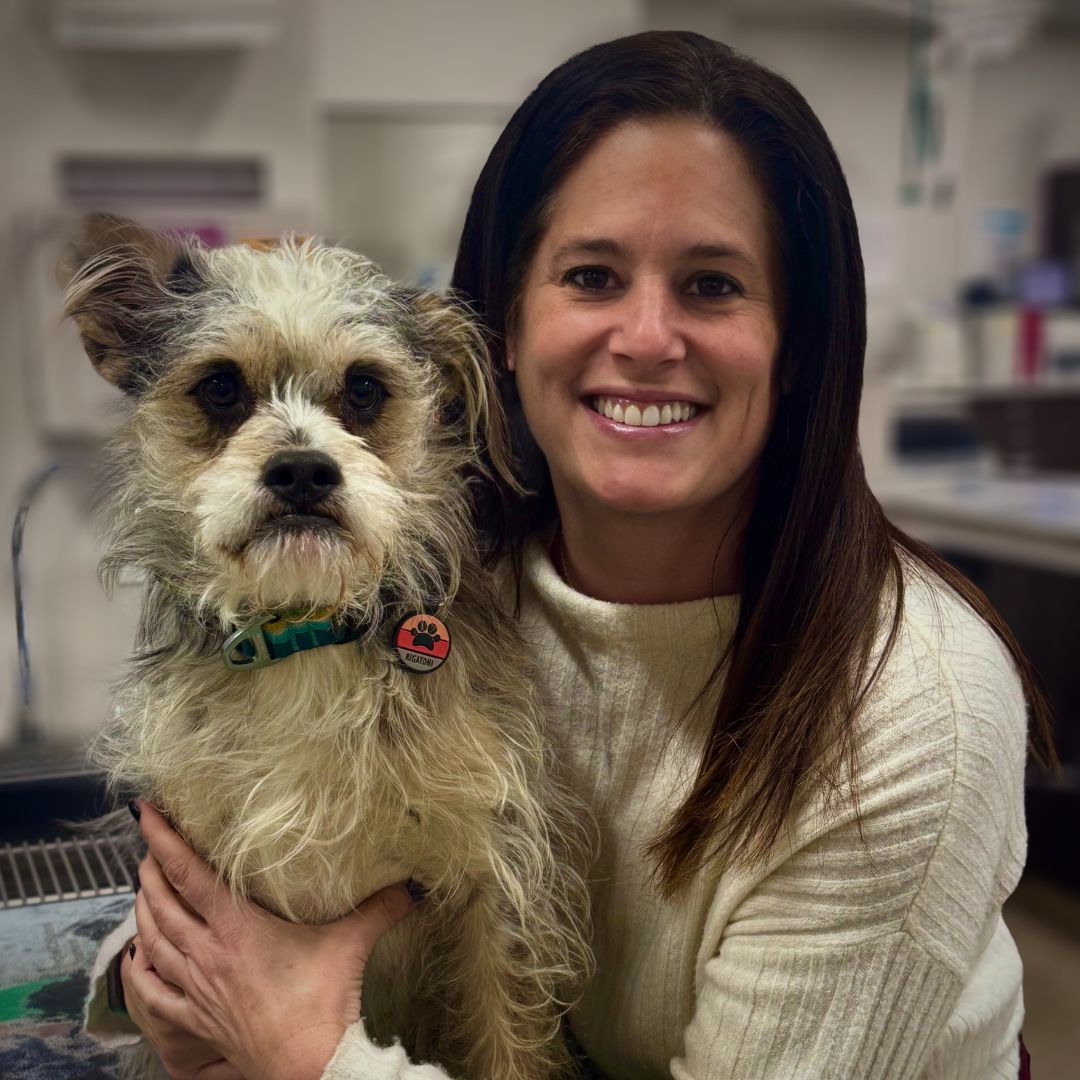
365 394
712 285
593 278
219 391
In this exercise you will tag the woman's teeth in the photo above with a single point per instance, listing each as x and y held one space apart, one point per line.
651 415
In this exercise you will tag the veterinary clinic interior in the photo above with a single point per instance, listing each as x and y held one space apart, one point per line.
957 125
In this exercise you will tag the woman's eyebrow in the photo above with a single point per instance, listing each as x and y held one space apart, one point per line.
587 246
722 251
601 245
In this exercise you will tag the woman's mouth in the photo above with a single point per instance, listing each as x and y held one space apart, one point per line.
643 413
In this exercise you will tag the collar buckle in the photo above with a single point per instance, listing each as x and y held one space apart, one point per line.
246 649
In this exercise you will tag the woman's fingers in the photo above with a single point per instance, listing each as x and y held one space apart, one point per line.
238 991
172 915
154 949
188 874
163 1015
156 998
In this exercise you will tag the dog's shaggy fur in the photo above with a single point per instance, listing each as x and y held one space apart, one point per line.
313 783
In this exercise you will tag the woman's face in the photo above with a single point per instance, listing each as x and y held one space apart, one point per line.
645 345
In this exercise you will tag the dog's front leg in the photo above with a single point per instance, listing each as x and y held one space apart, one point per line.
507 1023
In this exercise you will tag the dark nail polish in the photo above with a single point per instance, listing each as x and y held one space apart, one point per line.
417 891
136 813
131 950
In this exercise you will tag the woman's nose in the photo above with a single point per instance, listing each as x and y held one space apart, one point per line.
649 324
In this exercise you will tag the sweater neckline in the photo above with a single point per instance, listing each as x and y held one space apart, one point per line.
689 625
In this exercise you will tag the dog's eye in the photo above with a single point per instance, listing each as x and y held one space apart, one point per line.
365 394
220 390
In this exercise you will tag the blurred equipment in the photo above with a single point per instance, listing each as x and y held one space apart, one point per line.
948 39
144 25
1034 431
1061 218
27 730
990 28
102 181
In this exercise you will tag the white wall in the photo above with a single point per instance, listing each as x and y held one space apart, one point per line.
255 103
1026 118
434 54
416 94
399 189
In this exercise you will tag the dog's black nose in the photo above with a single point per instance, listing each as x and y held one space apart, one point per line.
302 478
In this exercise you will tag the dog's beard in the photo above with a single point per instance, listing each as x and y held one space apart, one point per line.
272 562
291 565
288 567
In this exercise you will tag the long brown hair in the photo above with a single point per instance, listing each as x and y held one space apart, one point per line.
818 556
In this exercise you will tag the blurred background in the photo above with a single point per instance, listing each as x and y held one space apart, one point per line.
958 126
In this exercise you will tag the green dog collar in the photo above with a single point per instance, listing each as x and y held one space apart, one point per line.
274 638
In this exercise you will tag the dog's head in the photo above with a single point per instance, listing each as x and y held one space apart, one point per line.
300 424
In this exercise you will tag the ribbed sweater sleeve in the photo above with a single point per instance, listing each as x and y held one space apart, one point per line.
866 1010
849 956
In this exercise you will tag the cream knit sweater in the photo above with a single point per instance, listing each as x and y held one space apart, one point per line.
883 955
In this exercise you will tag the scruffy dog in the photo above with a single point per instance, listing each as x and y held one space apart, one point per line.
292 478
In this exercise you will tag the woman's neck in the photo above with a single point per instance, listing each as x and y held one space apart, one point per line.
648 558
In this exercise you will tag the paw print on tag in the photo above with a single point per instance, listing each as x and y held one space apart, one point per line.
422 643
425 634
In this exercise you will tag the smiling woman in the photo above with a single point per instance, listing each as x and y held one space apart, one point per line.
645 354
801 731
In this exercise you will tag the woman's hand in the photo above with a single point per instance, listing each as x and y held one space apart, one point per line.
184 1056
272 998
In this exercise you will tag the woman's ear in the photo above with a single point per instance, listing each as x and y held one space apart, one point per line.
510 352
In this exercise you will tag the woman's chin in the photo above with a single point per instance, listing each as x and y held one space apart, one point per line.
631 496
645 491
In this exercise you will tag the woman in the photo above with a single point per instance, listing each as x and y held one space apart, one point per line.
802 734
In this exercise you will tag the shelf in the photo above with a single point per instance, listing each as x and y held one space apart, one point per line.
1027 520
957 393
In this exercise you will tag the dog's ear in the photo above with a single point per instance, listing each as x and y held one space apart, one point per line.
453 340
124 287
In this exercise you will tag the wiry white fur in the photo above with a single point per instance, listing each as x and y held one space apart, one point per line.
313 783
